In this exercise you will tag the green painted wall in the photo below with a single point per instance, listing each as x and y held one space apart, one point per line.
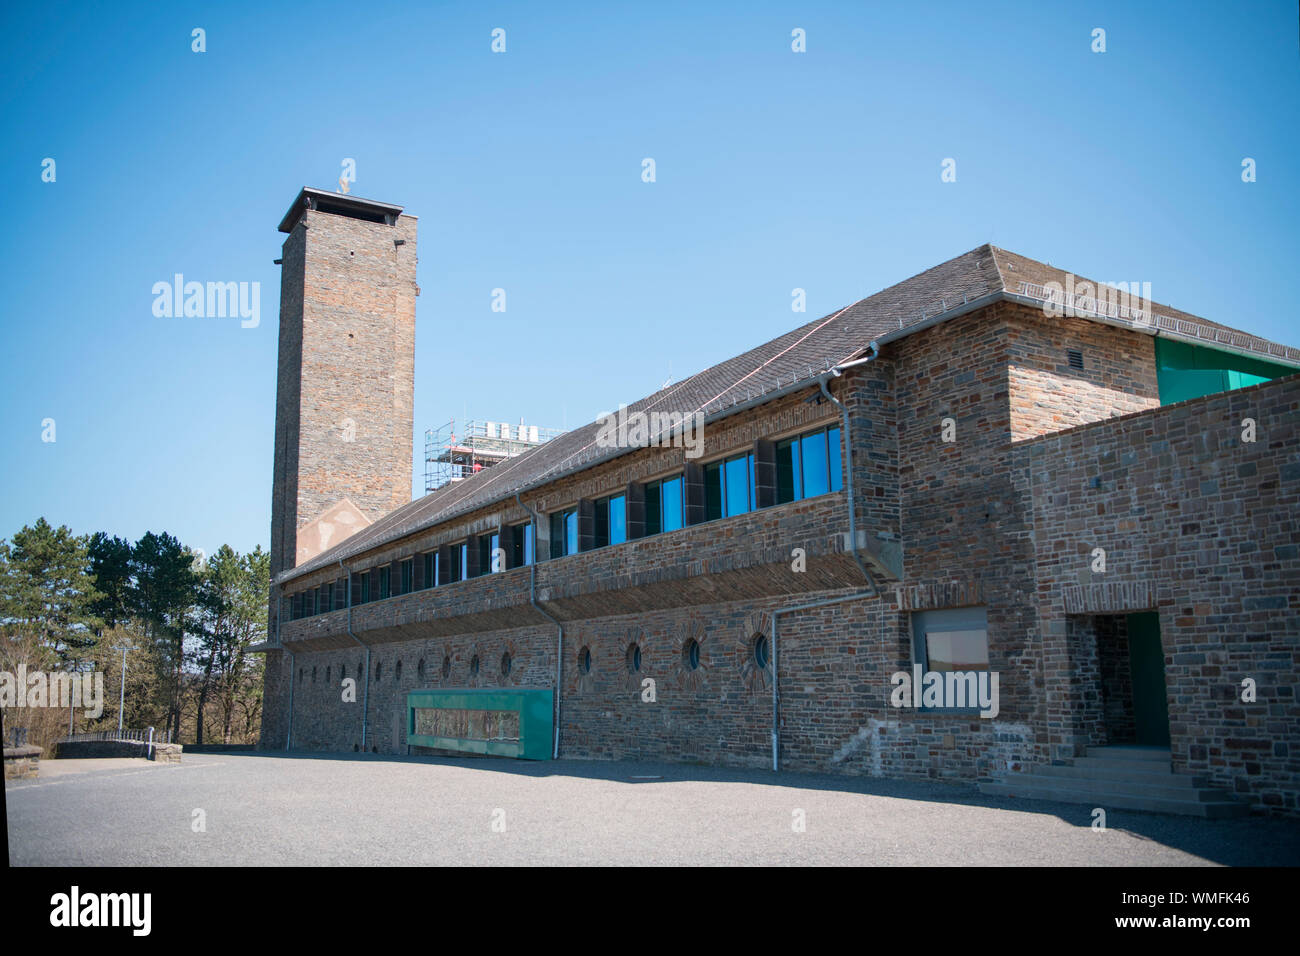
534 707
1186 371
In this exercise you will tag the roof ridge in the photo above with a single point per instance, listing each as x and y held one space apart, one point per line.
997 266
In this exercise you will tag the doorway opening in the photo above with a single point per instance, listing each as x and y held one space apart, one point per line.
1131 660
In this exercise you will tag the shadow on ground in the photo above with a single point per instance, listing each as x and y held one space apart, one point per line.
1249 841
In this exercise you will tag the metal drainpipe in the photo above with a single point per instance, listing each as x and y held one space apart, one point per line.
872 592
559 646
848 472
365 700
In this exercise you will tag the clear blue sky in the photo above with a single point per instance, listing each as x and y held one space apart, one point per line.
775 170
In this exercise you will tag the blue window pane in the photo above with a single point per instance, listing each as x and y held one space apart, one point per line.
816 481
464 561
833 449
672 504
737 485
494 562
528 544
571 532
618 519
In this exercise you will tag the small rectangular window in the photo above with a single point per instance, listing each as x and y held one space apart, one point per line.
564 533
495 561
385 582
729 487
951 641
449 564
609 525
808 465
664 506
431 569
521 545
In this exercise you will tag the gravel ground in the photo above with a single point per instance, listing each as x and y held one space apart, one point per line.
366 809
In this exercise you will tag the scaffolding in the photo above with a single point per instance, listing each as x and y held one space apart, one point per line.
452 453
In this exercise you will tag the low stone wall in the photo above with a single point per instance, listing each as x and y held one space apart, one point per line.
22 762
220 748
81 749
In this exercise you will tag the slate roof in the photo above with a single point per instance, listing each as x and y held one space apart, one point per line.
977 278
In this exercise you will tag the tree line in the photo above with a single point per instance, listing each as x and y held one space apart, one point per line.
184 624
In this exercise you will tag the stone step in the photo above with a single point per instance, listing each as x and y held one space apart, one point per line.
1126 752
1108 771
1134 767
1119 801
1085 786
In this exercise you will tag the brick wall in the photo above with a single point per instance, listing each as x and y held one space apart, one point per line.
345 391
1201 527
1046 394
1003 517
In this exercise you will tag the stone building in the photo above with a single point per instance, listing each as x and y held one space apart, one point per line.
993 468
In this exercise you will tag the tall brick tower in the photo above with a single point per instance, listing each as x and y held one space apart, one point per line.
346 385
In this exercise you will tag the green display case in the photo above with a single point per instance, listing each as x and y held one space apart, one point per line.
492 721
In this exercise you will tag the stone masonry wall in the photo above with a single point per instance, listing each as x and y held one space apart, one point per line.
987 519
345 392
1204 528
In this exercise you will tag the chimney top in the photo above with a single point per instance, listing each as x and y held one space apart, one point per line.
340 204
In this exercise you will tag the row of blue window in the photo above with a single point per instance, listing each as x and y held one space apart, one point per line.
805 466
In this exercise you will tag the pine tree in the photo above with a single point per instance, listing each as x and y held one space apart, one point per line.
46 587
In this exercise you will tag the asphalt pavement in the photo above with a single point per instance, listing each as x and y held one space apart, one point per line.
351 810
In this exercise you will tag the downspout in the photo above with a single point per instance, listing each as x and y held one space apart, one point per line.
559 641
365 700
848 471
873 590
